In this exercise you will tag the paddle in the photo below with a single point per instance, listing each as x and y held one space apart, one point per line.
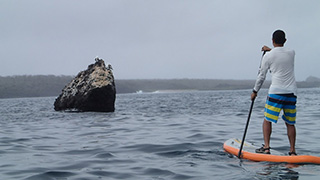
246 128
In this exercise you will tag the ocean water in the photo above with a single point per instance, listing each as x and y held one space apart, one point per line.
150 136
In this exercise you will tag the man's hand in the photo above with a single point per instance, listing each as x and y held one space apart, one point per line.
265 48
253 96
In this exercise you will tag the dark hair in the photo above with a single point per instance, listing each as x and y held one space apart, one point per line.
279 37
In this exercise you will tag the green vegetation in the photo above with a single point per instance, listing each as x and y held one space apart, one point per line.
32 86
50 85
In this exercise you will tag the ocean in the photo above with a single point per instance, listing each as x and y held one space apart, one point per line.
151 136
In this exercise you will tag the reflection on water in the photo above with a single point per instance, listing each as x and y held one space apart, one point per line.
283 171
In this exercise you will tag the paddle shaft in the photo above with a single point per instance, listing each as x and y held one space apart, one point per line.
245 130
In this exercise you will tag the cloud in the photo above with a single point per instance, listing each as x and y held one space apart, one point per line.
154 39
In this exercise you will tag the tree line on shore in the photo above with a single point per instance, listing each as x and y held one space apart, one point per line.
51 85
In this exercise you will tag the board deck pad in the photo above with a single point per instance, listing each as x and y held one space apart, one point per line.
249 147
232 146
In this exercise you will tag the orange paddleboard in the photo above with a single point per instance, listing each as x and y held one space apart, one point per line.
232 146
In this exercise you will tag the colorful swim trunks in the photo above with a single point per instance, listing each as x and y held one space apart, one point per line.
277 102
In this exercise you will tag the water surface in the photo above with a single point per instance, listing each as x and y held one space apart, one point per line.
155 136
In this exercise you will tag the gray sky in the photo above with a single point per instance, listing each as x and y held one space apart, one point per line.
143 39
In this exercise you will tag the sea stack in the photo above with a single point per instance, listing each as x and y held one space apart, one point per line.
91 90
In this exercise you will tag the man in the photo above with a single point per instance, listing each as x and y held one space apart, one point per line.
282 92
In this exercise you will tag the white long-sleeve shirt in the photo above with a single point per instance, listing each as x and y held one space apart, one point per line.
280 62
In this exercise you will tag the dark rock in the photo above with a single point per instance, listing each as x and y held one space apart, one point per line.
91 90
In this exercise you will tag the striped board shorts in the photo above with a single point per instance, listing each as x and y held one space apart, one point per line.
277 102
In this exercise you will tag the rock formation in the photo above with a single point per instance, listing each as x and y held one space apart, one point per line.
91 90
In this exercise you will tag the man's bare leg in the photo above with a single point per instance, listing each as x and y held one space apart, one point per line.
291 131
267 129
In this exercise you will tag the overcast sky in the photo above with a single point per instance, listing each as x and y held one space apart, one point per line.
163 39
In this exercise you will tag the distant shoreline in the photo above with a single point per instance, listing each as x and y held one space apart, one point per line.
50 85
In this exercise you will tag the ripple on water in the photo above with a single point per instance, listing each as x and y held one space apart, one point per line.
164 174
51 175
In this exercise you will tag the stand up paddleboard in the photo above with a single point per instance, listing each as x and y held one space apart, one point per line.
232 146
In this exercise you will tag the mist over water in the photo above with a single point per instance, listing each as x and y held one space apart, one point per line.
150 136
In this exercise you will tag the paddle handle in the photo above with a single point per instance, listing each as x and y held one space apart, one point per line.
245 130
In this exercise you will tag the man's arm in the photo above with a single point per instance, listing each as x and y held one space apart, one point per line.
261 76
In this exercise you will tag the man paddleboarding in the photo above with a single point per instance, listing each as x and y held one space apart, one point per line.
282 91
